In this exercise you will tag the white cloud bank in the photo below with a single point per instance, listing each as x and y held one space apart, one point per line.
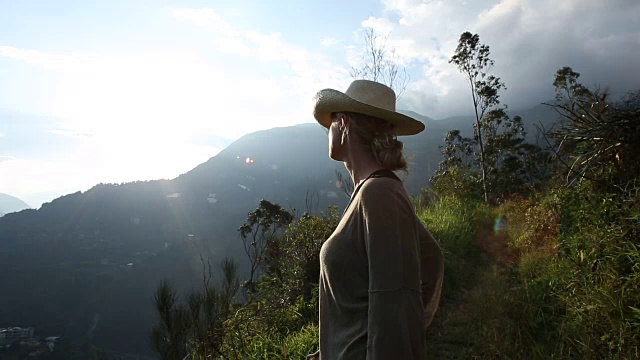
529 40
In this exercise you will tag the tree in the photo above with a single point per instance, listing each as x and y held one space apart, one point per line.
380 64
600 138
209 308
497 149
302 242
196 327
169 336
259 236
472 59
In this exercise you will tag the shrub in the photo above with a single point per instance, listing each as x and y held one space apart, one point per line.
579 273
531 227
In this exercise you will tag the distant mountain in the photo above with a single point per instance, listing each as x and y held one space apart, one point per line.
86 264
10 203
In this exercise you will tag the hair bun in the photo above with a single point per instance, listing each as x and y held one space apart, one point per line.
378 135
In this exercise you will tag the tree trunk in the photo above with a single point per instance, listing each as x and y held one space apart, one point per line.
480 142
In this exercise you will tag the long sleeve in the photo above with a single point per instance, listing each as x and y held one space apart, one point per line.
396 321
432 272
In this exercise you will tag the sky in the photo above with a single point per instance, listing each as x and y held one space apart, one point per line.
113 91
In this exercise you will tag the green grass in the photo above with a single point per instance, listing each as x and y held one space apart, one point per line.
573 290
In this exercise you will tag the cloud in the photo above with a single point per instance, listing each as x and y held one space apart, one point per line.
306 70
329 42
529 40
250 43
68 133
46 60
201 17
164 95
381 26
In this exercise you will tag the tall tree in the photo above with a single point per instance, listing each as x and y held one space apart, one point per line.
472 59
497 149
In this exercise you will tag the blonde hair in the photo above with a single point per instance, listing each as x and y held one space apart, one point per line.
377 135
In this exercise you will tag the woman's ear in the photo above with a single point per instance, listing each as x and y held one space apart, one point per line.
344 122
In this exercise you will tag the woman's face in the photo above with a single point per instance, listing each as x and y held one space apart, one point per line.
336 147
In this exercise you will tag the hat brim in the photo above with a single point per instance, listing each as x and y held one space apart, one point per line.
329 101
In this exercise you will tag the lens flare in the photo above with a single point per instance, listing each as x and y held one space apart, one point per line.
499 224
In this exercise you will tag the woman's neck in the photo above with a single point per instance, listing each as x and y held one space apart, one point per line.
360 164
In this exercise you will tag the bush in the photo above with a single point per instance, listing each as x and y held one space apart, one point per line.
532 227
280 319
295 345
457 181
579 275
597 273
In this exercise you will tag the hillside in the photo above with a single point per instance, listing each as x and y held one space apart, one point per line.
10 204
92 259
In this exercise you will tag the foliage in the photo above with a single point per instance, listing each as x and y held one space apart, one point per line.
579 275
573 291
532 227
279 320
600 138
284 310
197 326
598 271
458 181
169 337
472 59
259 238
497 149
299 259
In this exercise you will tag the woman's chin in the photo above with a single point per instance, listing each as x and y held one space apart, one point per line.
334 156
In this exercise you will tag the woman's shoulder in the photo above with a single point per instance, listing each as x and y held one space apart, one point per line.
376 184
382 196
382 189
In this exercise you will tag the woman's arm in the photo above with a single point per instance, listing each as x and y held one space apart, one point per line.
432 272
396 321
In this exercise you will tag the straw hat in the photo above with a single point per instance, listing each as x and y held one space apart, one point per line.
364 97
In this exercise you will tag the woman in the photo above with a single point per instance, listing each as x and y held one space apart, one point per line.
381 270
